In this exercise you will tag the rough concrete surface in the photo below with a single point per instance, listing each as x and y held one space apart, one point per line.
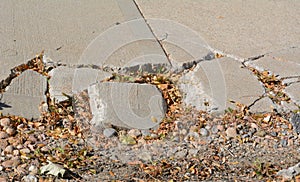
93 39
25 95
126 105
240 28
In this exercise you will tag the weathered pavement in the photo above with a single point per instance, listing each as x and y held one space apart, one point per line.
95 51
233 53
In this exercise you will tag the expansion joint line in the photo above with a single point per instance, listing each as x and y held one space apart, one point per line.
156 38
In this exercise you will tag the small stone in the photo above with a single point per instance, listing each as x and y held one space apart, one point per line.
11 163
16 152
11 131
127 140
273 133
25 151
283 142
134 133
203 132
267 118
254 126
231 132
183 132
192 136
5 122
1 168
145 132
260 133
32 139
29 178
3 135
45 149
245 135
20 126
220 127
153 136
109 132
33 170
214 129
9 149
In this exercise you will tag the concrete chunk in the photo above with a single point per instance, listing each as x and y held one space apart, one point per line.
211 85
69 80
24 95
129 105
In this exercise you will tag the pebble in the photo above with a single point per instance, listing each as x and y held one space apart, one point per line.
145 133
109 132
192 136
203 132
214 129
9 149
29 178
220 127
32 138
273 133
11 163
25 151
260 133
33 169
283 142
16 152
134 133
183 132
3 135
11 131
231 132
5 122
1 168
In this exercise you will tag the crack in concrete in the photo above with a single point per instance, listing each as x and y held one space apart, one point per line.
156 38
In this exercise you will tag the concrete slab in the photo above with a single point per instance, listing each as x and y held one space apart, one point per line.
241 28
212 84
62 80
67 30
284 63
129 105
293 91
25 95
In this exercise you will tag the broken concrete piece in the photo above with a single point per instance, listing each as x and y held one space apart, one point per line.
293 92
24 95
129 105
284 63
72 80
212 84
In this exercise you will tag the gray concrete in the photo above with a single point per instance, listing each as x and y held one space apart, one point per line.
73 32
25 96
129 105
283 63
63 78
117 35
241 28
212 85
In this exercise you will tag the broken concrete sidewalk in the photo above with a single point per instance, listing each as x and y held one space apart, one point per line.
130 36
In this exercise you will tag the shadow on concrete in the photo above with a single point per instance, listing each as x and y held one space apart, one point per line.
3 105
